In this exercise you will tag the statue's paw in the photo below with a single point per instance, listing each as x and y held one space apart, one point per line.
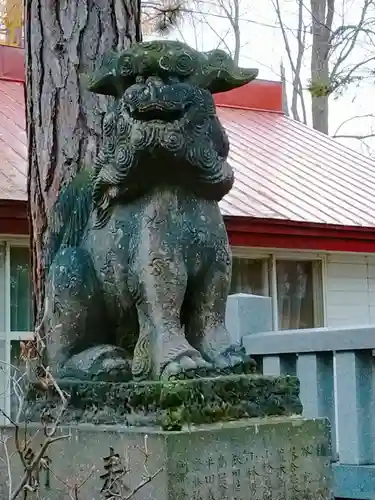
113 370
188 363
102 363
232 357
216 347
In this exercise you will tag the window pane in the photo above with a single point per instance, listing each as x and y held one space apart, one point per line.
299 289
18 378
2 290
20 290
3 379
248 276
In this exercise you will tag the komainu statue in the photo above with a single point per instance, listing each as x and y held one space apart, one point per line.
138 262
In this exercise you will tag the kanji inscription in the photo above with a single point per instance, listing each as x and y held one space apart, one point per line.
270 468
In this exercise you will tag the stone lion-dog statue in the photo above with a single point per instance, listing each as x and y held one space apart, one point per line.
138 263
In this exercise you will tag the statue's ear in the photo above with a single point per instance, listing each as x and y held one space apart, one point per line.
225 80
221 74
114 75
105 85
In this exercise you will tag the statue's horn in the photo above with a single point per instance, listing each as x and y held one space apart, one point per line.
220 73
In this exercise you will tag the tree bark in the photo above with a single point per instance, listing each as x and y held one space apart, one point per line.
64 41
322 16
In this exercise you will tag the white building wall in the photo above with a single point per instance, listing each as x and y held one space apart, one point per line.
350 289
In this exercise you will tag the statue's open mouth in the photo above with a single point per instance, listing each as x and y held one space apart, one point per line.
160 110
157 114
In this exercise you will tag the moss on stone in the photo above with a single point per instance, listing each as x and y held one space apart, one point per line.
171 404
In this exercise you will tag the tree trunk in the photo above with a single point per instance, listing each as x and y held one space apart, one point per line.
321 14
285 94
64 41
236 31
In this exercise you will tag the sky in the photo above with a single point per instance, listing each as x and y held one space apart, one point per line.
262 47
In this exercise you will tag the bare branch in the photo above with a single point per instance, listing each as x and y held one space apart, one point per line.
15 423
11 421
7 464
350 136
149 477
31 351
35 463
221 38
350 75
295 67
369 115
73 489
114 484
342 32
347 50
301 38
143 483
233 18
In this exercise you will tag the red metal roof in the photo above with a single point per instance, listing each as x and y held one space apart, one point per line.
12 65
13 146
260 95
285 170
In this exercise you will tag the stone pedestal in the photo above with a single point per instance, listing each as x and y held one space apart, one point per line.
274 458
171 404
229 437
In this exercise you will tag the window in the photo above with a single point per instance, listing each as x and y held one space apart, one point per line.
248 276
294 285
20 290
298 294
17 377
15 319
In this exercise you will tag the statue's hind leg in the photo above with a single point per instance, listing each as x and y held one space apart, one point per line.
77 330
204 311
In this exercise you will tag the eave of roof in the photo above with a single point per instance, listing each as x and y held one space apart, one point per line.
288 234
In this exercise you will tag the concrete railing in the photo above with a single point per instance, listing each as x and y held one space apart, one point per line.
336 370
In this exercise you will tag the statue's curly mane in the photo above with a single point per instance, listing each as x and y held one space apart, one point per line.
138 156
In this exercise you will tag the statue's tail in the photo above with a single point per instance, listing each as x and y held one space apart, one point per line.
69 215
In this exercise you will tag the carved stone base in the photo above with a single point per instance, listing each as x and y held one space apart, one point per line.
273 458
172 404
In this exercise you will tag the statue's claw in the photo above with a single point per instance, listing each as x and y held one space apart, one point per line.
233 356
183 364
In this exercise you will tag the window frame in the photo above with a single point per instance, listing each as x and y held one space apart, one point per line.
8 335
271 256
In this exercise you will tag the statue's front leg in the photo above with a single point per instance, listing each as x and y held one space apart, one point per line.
78 333
205 311
159 285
